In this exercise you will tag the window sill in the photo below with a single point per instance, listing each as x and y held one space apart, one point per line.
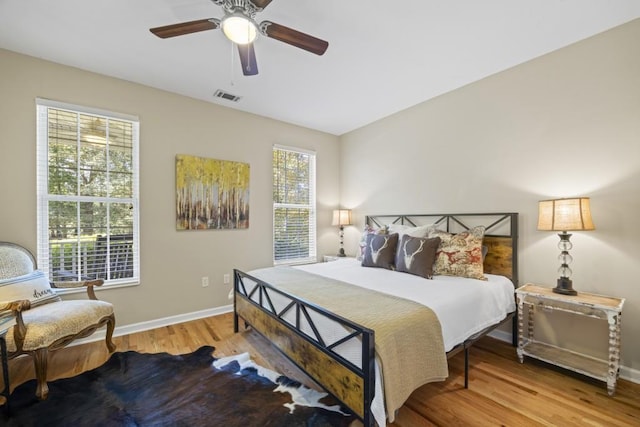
296 262
83 289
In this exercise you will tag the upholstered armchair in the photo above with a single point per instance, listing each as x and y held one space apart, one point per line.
44 322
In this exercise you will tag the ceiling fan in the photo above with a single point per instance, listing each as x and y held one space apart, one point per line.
239 26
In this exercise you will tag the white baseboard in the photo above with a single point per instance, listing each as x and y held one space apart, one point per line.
100 334
626 373
501 335
630 374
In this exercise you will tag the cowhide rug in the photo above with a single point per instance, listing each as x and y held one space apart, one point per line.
134 389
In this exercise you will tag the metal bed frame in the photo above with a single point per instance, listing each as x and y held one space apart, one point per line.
353 385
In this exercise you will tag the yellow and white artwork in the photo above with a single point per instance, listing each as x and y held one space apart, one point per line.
211 193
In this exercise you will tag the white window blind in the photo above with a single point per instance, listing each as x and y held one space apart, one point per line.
87 194
294 205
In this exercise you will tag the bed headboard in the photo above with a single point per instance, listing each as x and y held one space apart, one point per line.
501 235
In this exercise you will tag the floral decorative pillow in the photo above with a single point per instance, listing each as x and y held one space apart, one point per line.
380 251
416 255
363 240
33 286
368 229
459 254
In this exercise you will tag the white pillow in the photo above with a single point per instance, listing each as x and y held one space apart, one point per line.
397 228
420 231
33 286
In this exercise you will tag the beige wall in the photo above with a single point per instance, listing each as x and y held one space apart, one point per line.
566 124
172 262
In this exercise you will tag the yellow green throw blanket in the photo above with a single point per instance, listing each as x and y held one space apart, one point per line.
408 337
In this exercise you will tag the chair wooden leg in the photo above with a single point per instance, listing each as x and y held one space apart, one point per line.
40 361
111 325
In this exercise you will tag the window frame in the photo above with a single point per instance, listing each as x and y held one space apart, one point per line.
311 206
44 197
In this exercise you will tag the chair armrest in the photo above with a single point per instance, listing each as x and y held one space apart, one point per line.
89 284
17 307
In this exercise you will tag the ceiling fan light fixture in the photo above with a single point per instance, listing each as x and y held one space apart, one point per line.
239 28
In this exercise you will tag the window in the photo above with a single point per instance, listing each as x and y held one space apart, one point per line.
294 205
87 177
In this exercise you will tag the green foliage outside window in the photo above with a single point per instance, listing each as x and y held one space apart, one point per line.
294 205
89 190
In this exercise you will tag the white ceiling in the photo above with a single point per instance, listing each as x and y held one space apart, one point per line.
383 56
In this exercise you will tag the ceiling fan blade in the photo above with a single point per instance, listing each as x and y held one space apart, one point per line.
294 37
185 28
261 3
248 59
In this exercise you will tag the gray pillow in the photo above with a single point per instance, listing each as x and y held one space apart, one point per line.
380 250
416 255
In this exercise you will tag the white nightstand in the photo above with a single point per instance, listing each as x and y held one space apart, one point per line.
584 304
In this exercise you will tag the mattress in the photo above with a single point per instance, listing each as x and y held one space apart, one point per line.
463 306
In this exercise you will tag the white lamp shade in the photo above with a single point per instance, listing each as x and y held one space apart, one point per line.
565 215
341 217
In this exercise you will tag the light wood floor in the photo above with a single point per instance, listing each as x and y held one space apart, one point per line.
502 391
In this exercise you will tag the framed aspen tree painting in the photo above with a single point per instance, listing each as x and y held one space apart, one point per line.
211 193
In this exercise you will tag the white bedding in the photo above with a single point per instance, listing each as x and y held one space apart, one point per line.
463 306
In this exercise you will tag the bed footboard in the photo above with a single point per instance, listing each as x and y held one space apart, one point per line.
291 327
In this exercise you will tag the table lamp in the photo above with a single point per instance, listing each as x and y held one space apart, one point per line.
565 215
341 217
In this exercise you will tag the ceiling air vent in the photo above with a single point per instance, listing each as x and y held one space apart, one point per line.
226 95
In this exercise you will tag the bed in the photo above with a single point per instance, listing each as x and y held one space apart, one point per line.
337 346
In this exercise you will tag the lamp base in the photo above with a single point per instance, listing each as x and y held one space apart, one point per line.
565 287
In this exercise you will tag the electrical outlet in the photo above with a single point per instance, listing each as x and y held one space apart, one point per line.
205 281
226 279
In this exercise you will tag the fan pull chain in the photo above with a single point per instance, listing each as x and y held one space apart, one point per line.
233 48
248 67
